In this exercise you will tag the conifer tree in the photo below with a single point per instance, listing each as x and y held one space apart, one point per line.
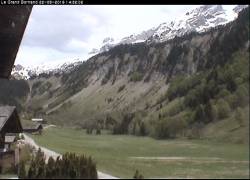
22 172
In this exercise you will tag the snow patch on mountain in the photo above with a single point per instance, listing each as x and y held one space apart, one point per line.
20 72
239 8
197 20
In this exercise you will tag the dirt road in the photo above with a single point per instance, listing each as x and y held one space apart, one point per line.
48 153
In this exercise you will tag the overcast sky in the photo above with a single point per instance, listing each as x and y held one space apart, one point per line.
63 33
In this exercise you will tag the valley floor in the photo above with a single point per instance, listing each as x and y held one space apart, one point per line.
49 153
121 155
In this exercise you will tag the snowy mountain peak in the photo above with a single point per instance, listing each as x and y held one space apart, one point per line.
198 20
20 72
239 8
108 40
93 51
207 9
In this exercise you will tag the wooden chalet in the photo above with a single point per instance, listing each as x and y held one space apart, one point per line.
9 123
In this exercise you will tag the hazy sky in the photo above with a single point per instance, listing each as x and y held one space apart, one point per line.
63 33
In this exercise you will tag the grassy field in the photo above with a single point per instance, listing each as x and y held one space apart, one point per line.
121 155
8 176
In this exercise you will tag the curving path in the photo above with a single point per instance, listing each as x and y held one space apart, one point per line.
48 153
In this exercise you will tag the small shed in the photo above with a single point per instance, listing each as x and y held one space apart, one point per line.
9 123
37 128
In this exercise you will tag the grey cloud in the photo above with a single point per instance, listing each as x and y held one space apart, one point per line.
55 26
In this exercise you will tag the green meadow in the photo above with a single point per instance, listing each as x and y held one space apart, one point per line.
121 155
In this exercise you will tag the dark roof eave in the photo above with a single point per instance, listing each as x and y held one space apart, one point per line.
13 21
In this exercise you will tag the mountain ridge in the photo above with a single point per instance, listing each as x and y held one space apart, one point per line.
20 72
195 20
198 20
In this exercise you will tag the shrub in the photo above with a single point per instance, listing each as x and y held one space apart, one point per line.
210 112
232 100
239 116
21 172
123 126
98 131
89 130
121 88
223 109
242 94
223 93
107 75
137 175
169 127
50 168
142 129
136 76
199 114
137 128
195 131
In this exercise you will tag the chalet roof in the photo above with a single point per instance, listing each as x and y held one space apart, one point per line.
32 126
10 139
5 113
13 21
9 120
